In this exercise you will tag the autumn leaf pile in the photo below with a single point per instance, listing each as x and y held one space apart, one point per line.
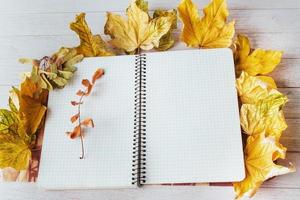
262 118
19 124
140 31
261 115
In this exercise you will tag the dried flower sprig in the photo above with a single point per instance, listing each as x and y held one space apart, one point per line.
87 122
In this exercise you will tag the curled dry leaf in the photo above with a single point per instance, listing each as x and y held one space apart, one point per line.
263 121
259 163
269 81
139 31
90 45
80 93
74 118
265 116
32 107
97 75
88 122
88 85
167 40
254 88
210 31
143 5
77 131
258 61
55 71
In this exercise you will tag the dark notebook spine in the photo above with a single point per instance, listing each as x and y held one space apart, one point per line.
139 137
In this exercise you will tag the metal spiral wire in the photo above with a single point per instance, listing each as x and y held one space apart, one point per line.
139 137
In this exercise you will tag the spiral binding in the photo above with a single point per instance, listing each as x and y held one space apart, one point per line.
139 138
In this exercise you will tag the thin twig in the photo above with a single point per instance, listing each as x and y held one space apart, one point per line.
79 124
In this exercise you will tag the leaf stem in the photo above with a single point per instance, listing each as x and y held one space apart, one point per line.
79 124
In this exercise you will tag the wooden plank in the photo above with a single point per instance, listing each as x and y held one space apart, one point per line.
37 6
30 191
14 47
276 41
292 108
276 194
287 73
254 21
291 136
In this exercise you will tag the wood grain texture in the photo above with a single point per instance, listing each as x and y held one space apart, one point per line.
57 23
30 191
14 47
34 28
289 180
291 137
54 6
292 108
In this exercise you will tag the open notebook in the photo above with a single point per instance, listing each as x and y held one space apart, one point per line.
167 117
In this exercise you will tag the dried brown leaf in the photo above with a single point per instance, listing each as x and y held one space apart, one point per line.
74 118
97 75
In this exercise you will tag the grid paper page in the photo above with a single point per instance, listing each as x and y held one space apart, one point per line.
108 146
193 131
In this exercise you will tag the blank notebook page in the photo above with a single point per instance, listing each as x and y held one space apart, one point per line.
108 146
193 131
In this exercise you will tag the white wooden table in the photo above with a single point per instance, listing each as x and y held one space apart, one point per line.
34 28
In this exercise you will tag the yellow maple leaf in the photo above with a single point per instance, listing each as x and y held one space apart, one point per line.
31 100
258 61
143 5
167 40
211 31
254 88
269 81
138 32
259 163
265 116
8 121
90 45
14 144
14 151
